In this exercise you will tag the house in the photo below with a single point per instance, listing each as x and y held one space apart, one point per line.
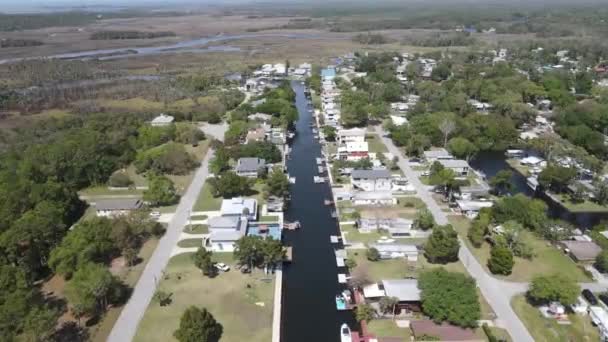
532 161
351 135
460 167
397 227
376 198
405 290
162 120
278 136
239 206
249 167
395 251
353 151
224 231
258 134
117 207
472 208
474 191
581 251
436 155
371 180
443 332
599 317
260 117
328 74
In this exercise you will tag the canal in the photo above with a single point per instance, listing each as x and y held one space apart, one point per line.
491 162
310 282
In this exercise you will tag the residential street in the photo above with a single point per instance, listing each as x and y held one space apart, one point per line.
126 326
497 293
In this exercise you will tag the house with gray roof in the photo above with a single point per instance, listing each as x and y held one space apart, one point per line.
460 167
117 206
371 180
224 231
432 156
239 206
249 167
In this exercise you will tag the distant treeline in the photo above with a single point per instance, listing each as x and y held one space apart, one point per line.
441 39
108 35
370 38
5 43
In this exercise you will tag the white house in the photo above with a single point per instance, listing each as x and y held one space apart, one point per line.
239 206
353 150
117 207
351 135
432 156
224 231
375 198
371 180
460 167
471 208
397 227
396 251
162 120
406 290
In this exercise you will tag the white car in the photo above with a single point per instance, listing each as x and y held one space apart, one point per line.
155 214
222 267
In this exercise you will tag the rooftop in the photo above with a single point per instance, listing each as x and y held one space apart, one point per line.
454 163
582 250
371 174
250 164
235 206
163 119
118 204
406 290
441 152
352 132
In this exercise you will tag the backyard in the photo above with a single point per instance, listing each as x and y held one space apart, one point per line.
548 259
242 303
545 329
375 144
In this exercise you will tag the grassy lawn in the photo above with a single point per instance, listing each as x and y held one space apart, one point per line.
544 329
206 201
522 169
586 206
198 217
198 229
388 328
102 190
101 331
424 180
501 334
411 202
548 259
269 218
231 297
375 144
187 243
353 235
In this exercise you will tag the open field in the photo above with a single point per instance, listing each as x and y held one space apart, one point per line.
375 144
547 330
548 259
231 297
388 328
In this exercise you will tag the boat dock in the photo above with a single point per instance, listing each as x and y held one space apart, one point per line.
320 161
340 262
334 239
321 169
342 279
318 179
288 254
292 225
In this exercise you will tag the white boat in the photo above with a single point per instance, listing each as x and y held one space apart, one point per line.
345 335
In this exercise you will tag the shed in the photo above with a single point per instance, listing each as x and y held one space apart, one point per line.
583 251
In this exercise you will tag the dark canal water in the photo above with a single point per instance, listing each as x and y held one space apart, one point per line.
492 162
310 282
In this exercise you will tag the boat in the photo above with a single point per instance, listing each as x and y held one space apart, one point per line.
328 202
318 179
334 214
345 335
341 303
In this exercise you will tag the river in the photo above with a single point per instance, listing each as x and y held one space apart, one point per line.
310 282
193 46
491 162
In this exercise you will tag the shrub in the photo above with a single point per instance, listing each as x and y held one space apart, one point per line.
120 180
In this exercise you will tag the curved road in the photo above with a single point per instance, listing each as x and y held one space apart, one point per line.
497 293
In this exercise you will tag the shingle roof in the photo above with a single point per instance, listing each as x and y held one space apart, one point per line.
454 163
250 164
370 174
118 204
406 290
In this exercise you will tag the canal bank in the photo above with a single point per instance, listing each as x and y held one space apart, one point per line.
491 162
310 282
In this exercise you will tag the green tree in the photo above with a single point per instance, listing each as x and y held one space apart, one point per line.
424 219
40 324
442 246
187 133
445 178
198 325
441 72
583 83
272 252
329 132
248 250
556 177
161 191
479 228
169 158
555 287
365 312
388 304
220 161
229 184
93 288
202 260
601 261
277 183
120 180
501 182
372 254
531 213
601 193
462 148
449 296
501 260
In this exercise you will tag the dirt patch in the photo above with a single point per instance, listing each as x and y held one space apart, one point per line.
118 266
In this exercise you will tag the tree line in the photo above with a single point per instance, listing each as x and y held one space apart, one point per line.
118 35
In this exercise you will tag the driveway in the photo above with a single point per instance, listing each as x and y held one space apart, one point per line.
126 326
496 292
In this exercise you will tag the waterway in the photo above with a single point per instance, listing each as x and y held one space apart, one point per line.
310 282
192 46
491 162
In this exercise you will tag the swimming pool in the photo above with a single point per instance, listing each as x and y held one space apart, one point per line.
264 230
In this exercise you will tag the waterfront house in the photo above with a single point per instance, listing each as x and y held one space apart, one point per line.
353 151
460 167
278 136
396 227
260 117
396 251
249 167
255 135
474 191
532 161
374 198
432 156
239 206
117 207
351 135
371 180
405 290
471 208
224 231
162 120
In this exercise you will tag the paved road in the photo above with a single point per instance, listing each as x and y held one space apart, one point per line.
497 293
126 325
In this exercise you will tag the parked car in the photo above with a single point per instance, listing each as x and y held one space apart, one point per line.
245 269
604 298
155 214
222 267
590 297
